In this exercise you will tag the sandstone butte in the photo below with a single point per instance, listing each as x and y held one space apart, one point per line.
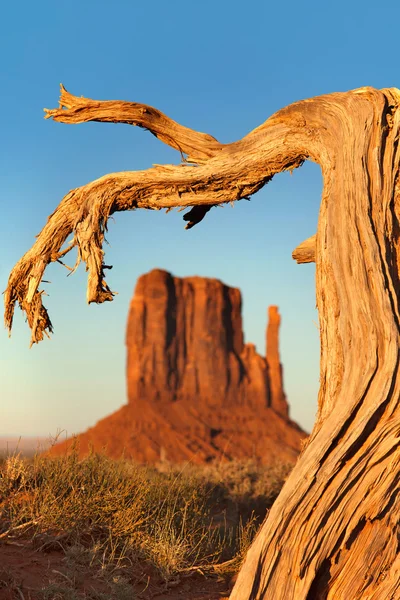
196 391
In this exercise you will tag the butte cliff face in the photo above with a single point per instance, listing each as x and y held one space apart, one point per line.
196 391
185 343
277 394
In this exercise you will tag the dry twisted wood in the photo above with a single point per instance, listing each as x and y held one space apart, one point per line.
333 532
223 173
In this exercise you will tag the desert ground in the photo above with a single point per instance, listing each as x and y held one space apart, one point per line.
98 528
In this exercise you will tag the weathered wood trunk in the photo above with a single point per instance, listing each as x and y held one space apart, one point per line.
333 533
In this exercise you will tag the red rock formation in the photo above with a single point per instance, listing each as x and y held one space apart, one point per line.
185 342
277 394
195 390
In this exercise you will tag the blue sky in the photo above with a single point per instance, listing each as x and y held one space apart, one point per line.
220 67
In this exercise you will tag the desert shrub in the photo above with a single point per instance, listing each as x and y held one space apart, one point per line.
111 514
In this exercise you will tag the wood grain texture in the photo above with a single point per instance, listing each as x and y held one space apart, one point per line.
333 532
233 171
305 252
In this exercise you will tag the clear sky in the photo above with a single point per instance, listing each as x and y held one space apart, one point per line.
221 67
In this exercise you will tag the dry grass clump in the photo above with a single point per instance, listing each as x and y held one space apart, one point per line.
128 522
247 481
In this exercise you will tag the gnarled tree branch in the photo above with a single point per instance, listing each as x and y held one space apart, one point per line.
198 146
333 532
231 172
305 252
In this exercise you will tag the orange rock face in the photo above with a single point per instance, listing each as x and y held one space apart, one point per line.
277 395
195 390
185 342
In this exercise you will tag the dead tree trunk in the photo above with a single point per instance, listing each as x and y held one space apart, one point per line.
333 532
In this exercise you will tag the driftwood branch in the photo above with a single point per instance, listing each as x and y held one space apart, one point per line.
198 147
224 173
305 252
333 532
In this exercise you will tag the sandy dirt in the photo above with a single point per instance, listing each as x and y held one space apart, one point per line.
25 572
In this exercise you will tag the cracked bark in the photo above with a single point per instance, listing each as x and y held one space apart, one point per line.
305 252
333 532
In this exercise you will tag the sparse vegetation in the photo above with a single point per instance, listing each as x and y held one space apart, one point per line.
133 525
